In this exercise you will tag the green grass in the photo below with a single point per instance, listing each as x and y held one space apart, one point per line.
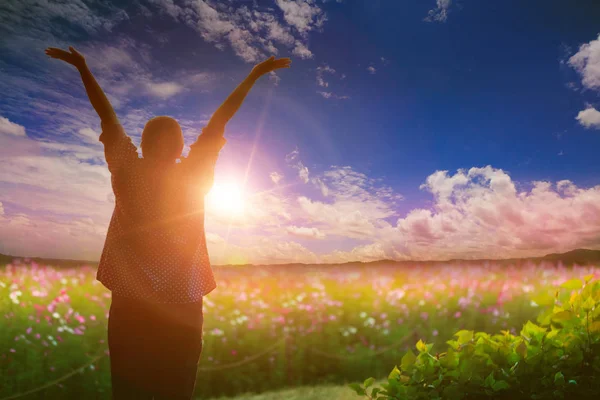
302 393
343 324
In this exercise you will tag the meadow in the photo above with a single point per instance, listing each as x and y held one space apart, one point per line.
267 328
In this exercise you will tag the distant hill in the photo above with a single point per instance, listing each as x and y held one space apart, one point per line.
578 256
6 259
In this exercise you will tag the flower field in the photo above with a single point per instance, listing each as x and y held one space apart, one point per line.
266 327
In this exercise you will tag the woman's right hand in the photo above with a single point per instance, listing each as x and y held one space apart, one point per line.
74 57
270 64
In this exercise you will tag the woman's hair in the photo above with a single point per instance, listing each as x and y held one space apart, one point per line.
162 139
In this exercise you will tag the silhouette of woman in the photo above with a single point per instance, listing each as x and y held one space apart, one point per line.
155 261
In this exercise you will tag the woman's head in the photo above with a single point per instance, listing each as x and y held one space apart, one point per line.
162 139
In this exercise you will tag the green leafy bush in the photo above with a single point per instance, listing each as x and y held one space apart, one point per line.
557 358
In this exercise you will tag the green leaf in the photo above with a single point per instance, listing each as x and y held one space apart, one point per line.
533 331
543 299
552 334
453 392
408 360
521 350
394 375
450 360
588 278
595 326
421 346
453 344
563 317
464 336
358 389
489 381
588 304
559 379
572 284
368 382
500 385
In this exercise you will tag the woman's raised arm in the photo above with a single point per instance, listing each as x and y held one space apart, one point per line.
95 94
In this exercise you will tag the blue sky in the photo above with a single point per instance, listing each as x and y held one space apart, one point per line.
404 129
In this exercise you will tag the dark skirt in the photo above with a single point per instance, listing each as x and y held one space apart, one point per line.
154 348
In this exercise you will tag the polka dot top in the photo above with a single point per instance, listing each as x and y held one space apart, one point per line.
155 248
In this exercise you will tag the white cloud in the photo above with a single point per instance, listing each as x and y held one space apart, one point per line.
331 95
440 12
258 250
273 77
309 233
13 140
251 31
61 185
34 17
90 136
169 7
31 235
303 174
371 70
590 118
276 177
302 15
10 128
321 71
65 205
302 51
293 160
480 213
364 253
587 62
322 186
164 90
357 206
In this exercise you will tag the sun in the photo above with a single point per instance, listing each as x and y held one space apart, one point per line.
226 198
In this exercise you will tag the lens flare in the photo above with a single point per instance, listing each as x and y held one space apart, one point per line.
227 199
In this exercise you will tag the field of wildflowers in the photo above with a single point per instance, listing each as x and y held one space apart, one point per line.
265 327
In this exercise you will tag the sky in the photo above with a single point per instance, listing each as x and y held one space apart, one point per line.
405 129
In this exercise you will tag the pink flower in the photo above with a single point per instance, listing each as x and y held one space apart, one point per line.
13 351
457 314
28 330
435 332
233 352
93 317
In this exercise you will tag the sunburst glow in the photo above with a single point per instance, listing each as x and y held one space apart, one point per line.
226 198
